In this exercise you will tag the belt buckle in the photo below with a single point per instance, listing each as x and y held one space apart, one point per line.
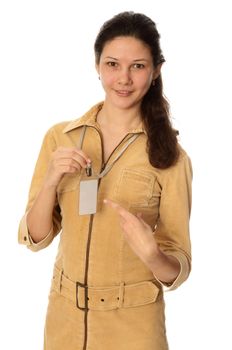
78 285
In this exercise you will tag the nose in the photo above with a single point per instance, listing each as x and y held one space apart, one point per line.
124 77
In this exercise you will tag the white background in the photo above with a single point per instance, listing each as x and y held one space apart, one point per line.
46 76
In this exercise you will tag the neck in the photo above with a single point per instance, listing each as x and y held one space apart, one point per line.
117 119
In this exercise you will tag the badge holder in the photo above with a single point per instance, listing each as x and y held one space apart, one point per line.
89 185
88 193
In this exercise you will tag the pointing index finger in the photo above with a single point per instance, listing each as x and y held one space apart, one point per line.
120 210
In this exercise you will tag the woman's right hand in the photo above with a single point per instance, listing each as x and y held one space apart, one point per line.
65 160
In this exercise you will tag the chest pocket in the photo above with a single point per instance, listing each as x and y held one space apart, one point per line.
137 188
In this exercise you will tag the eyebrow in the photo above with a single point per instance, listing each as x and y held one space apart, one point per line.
136 60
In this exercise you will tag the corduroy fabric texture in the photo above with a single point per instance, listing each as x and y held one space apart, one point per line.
136 320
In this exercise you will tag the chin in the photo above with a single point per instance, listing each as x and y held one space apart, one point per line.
124 102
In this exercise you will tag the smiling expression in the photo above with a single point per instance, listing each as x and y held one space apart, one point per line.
126 71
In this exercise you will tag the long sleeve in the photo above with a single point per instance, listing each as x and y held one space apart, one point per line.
48 146
172 231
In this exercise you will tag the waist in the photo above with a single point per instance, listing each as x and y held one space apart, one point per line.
105 297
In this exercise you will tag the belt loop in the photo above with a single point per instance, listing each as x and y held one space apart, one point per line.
121 294
60 274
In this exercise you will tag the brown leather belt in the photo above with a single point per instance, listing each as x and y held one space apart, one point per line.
105 298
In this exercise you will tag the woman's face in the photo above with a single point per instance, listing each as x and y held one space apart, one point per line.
126 71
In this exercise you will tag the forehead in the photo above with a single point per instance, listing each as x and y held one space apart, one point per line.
126 46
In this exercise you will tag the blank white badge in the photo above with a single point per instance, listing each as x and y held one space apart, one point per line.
88 197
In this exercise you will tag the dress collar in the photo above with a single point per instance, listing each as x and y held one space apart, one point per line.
89 119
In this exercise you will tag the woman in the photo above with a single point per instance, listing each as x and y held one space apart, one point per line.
117 184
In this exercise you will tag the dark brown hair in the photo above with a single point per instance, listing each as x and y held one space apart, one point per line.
162 142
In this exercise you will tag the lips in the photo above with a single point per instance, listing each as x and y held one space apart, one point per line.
123 93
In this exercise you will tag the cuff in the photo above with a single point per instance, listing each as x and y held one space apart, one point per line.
183 274
25 238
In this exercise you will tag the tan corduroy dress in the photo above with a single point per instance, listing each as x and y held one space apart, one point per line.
103 297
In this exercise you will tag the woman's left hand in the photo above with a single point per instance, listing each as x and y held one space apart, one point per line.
137 232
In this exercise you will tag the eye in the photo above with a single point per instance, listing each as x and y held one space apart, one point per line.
112 64
138 65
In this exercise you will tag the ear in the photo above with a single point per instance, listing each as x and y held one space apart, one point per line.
157 71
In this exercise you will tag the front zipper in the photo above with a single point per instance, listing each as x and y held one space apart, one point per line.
103 165
86 281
